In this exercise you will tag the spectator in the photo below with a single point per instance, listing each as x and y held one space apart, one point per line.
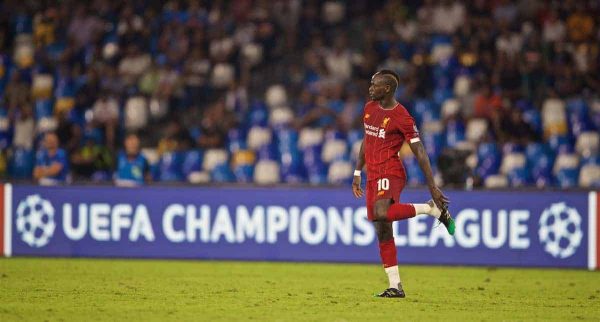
514 129
92 160
554 28
487 103
448 16
106 116
580 24
68 132
24 128
339 60
133 64
211 61
51 165
83 27
214 126
132 167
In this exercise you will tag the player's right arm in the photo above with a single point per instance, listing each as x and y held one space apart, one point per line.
360 164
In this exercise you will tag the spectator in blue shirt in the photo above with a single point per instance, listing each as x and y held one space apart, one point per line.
51 165
132 166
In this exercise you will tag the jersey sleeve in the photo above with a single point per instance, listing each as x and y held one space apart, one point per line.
408 127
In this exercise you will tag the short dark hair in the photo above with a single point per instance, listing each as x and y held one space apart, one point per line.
390 73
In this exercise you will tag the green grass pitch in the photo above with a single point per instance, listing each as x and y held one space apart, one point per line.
39 289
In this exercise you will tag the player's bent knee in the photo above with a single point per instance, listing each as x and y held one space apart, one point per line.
381 212
381 217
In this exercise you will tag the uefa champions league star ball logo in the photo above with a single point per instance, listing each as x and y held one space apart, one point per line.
35 221
560 230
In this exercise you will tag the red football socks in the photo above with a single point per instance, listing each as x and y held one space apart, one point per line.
400 211
387 250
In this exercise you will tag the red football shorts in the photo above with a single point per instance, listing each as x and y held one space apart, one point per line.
383 188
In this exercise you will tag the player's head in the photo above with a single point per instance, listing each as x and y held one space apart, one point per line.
132 144
383 84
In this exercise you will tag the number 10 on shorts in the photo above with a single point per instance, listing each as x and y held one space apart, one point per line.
383 184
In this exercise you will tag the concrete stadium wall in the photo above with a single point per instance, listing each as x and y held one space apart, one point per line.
504 228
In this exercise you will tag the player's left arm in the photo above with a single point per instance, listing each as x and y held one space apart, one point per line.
409 129
419 151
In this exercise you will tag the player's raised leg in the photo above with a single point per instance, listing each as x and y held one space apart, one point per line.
386 210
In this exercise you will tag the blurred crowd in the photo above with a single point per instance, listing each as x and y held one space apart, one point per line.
272 91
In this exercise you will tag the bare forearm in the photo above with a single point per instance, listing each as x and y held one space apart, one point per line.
360 160
423 159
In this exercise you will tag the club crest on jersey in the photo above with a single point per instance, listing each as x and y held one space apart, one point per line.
367 116
385 122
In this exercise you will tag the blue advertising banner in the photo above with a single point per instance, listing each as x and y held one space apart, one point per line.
289 224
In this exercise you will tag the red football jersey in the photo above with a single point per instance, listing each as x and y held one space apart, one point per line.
385 132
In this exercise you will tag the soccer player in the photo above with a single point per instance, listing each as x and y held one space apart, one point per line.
387 126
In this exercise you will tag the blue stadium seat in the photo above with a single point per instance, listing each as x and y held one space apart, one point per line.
560 144
244 173
317 174
192 162
414 174
510 147
488 159
441 94
65 87
236 140
540 161
222 174
286 140
101 176
312 156
237 134
22 23
5 129
355 135
534 119
524 105
259 115
292 170
455 132
43 108
21 164
170 167
268 152
519 177
544 180
593 159
424 111
568 178
335 135
434 143
578 116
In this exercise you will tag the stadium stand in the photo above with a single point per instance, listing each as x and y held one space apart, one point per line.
272 91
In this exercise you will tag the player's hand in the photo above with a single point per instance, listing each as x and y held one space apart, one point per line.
439 198
356 189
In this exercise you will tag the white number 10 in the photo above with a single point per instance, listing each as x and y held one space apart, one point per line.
383 184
